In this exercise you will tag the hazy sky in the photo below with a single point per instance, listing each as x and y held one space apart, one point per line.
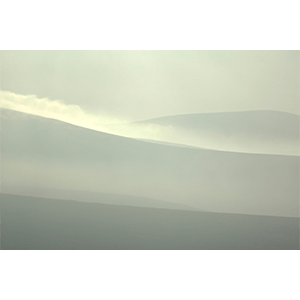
138 85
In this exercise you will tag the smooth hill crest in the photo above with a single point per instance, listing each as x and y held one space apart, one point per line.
260 131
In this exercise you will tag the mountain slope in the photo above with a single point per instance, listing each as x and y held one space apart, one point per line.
85 196
38 223
51 154
269 132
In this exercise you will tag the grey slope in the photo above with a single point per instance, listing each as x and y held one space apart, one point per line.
271 132
48 153
257 122
39 223
86 196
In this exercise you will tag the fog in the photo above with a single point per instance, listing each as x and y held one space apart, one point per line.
270 132
150 149
48 153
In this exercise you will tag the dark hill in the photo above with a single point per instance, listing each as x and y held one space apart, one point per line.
37 223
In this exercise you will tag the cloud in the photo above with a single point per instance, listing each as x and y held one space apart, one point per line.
54 109
74 114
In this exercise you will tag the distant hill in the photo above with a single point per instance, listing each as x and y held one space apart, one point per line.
46 153
86 196
29 223
271 132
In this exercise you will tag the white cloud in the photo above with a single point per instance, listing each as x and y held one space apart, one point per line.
54 109
74 114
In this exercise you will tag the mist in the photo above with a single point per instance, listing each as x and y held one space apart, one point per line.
150 149
268 132
49 153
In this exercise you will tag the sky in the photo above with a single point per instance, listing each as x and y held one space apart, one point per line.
138 85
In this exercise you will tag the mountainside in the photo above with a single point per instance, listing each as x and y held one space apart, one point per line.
86 196
47 153
271 123
38 223
269 132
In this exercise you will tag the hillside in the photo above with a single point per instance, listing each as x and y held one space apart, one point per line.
37 223
86 196
46 153
269 132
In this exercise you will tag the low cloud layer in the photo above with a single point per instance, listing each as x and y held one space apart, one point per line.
74 114
54 109
148 84
169 131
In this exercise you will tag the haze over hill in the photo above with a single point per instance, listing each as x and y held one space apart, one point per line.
269 132
151 149
47 153
264 131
